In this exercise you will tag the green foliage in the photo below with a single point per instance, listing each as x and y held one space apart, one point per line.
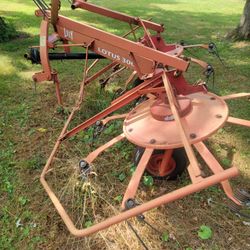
165 236
7 30
118 198
226 162
23 200
132 169
36 162
205 232
88 223
122 177
148 180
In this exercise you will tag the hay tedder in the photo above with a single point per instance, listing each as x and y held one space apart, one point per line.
172 119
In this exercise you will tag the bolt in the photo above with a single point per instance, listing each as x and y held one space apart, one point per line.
98 123
130 203
192 135
212 98
218 116
152 141
130 130
83 165
140 217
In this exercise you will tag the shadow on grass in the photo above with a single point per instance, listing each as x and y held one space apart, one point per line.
21 19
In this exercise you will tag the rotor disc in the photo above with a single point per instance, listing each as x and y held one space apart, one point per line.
208 113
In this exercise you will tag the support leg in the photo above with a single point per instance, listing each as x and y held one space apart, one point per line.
135 180
238 121
92 156
215 167
195 172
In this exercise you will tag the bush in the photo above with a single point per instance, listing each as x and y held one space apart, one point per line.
7 31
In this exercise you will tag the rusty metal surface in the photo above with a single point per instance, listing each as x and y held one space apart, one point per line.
209 113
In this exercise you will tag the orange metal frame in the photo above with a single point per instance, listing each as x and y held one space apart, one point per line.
156 63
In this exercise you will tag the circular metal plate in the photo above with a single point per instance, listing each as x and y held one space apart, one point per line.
209 112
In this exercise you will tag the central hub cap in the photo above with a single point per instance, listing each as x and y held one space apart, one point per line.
160 109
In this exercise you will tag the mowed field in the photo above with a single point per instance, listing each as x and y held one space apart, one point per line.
31 121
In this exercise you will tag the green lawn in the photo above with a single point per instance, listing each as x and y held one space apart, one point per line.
27 217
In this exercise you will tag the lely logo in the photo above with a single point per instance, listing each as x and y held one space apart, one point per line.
68 34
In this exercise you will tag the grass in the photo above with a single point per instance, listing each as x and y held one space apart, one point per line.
30 124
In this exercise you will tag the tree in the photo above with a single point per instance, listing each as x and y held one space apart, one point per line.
7 31
242 31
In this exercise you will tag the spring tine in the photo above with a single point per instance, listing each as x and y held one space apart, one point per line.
137 235
233 206
42 6
152 227
38 5
238 209
45 4
242 195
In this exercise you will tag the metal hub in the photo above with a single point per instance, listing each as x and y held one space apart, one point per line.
154 165
160 109
204 116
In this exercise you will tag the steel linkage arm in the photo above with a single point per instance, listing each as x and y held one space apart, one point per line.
115 15
194 170
234 120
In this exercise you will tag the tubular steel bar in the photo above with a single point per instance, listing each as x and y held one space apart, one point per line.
136 177
115 15
175 195
114 117
92 156
238 121
235 96
78 32
45 75
215 167
194 164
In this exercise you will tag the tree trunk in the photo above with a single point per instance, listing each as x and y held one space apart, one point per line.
242 31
